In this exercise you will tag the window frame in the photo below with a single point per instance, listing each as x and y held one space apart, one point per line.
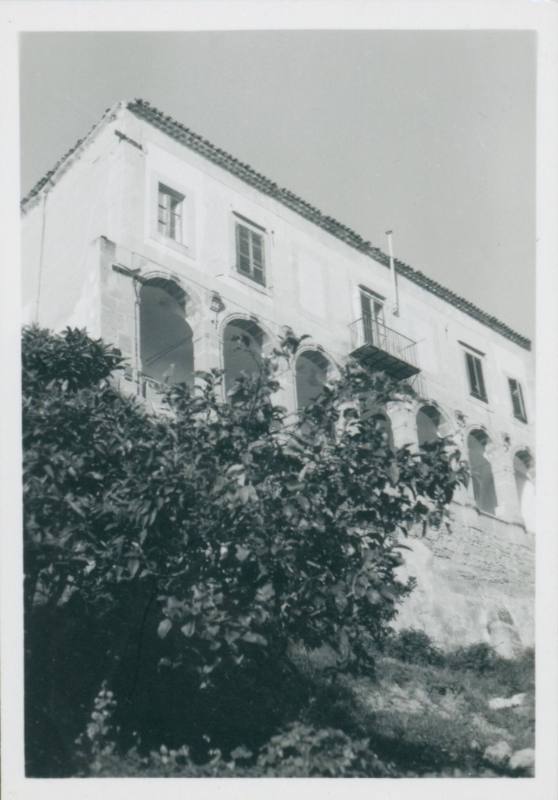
254 232
519 413
186 245
171 224
476 380
372 326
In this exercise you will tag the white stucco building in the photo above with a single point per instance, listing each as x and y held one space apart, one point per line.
157 241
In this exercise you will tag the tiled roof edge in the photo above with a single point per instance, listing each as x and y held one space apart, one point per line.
223 159
54 173
205 148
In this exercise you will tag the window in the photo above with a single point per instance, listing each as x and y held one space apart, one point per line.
250 252
517 400
373 324
476 379
170 213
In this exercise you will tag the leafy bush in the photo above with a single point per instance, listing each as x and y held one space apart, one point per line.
179 556
413 646
479 657
299 750
416 647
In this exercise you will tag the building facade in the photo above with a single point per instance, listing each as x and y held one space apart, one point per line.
155 240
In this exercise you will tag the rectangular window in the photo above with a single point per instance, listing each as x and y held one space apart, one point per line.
170 213
517 400
373 325
250 253
476 379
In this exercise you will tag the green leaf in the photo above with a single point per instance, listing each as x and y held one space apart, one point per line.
242 553
265 592
189 629
164 627
133 566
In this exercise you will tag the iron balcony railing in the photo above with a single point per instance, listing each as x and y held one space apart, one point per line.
144 387
148 386
372 341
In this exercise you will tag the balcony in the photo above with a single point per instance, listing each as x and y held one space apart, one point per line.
380 348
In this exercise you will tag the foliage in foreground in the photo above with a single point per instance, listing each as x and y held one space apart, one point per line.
297 750
179 556
412 720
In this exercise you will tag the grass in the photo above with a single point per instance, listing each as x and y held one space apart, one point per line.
414 718
430 718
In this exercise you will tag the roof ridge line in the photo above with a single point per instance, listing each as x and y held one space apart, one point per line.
288 198
305 209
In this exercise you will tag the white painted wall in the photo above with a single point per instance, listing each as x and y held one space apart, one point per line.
313 278
102 211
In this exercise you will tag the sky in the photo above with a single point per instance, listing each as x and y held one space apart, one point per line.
428 133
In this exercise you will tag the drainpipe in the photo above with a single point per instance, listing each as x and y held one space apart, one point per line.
137 333
41 256
395 307
137 282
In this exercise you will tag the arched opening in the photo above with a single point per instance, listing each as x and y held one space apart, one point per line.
166 346
522 469
375 413
382 422
482 478
428 424
243 344
312 370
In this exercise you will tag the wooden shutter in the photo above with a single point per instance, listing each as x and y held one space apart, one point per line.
257 257
243 249
366 309
476 379
517 400
480 379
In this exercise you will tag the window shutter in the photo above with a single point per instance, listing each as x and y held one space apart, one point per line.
482 388
476 378
518 402
365 305
366 309
257 257
243 249
471 373
522 403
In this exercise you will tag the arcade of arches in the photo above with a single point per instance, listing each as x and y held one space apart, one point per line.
167 357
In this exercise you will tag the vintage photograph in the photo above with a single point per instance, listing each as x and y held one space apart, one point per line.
278 403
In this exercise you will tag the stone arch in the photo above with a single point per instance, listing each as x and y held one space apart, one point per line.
432 422
482 477
523 469
166 346
312 370
380 417
245 343
428 424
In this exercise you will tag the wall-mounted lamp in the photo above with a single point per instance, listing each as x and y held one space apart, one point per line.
216 304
